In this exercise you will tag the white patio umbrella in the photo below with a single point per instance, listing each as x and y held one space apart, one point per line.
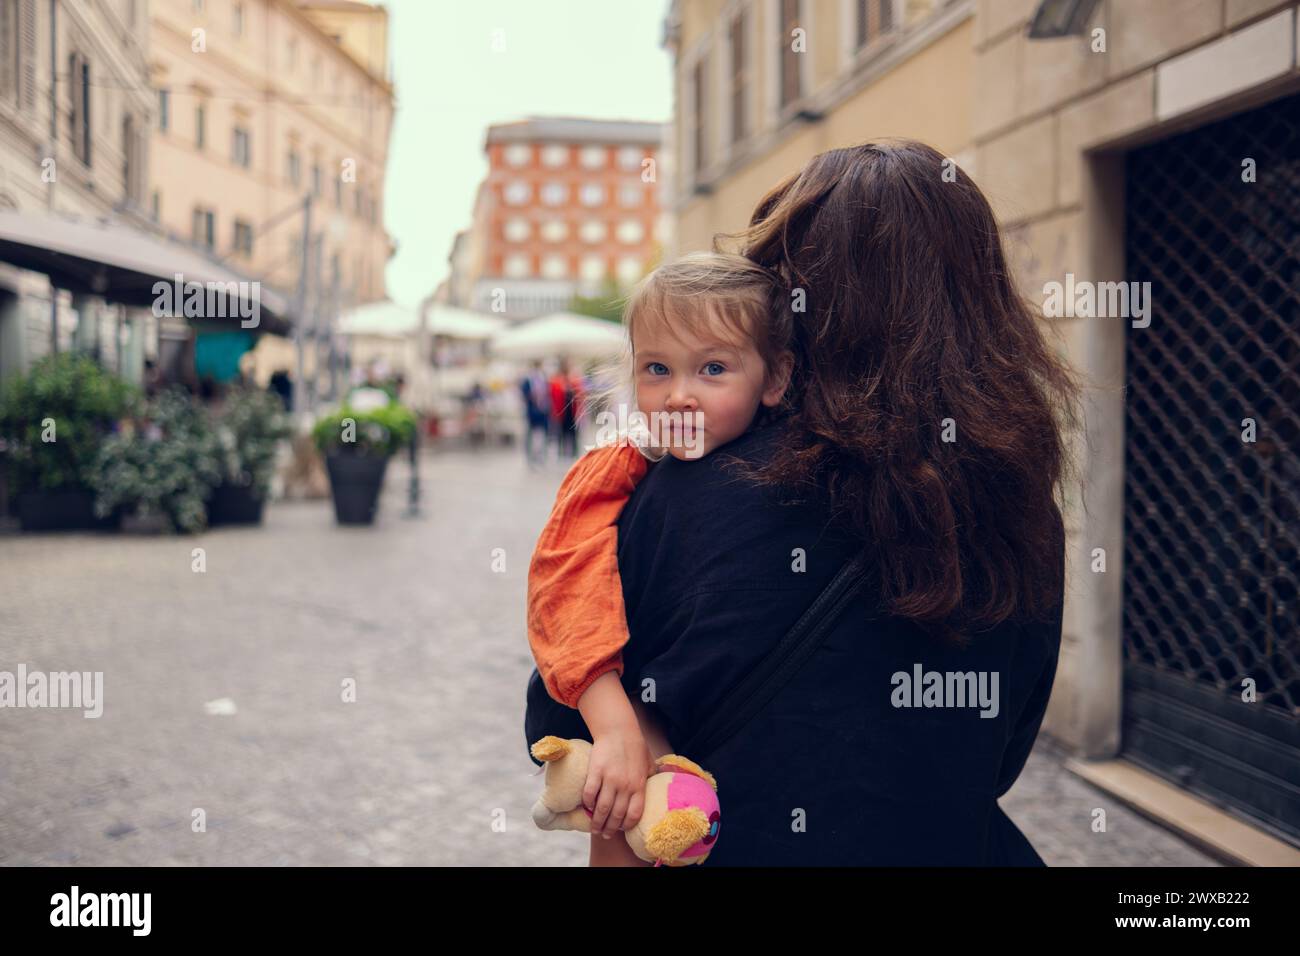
461 323
578 337
384 318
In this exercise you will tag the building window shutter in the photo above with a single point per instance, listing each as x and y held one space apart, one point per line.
85 110
739 77
27 55
8 62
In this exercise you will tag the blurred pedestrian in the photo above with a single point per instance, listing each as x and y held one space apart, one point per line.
566 409
282 385
537 407
475 412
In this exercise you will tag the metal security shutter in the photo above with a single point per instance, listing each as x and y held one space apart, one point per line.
1212 534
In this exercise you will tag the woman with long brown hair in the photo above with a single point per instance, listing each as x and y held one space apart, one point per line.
924 429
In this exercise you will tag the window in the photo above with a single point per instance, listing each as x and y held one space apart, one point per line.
555 155
555 267
593 268
204 225
629 158
358 200
555 194
240 152
79 117
517 266
197 6
790 61
630 195
517 230
875 18
629 270
517 193
13 60
338 192
697 119
739 76
164 110
315 180
592 157
555 230
200 126
592 194
157 205
593 230
237 26
294 170
630 232
518 154
243 238
293 53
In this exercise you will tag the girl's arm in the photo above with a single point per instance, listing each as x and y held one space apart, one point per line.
577 627
617 852
577 624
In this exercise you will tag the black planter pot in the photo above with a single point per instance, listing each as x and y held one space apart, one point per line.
234 504
355 482
71 510
149 524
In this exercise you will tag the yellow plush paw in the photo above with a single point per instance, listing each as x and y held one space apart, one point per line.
549 748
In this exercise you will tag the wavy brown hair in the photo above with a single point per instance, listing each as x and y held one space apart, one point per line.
911 318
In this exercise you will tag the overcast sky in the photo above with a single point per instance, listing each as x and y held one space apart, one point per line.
597 58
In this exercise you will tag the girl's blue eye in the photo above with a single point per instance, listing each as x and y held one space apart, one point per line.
722 368
652 365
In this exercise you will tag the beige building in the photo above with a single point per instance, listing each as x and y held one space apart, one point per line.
259 104
1154 144
75 110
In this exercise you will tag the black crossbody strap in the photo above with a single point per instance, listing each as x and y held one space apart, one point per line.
773 672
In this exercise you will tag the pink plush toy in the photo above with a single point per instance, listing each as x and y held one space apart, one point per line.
678 826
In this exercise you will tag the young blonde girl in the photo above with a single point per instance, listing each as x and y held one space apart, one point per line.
708 358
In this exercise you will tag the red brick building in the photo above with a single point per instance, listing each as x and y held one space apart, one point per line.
568 205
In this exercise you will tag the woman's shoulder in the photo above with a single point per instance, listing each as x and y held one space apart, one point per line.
708 491
723 524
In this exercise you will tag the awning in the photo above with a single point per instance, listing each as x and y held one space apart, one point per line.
461 323
577 337
386 318
122 264
390 320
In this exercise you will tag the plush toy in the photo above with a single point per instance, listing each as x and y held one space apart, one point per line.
678 826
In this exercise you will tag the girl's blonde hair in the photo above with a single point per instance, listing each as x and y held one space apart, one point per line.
708 295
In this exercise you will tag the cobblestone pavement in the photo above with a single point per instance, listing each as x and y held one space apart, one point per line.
427 766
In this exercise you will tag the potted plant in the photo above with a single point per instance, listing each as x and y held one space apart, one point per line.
160 467
54 420
249 428
357 443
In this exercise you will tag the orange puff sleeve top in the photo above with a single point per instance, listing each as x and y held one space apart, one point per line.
577 625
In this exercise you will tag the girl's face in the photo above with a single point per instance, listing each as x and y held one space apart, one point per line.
721 381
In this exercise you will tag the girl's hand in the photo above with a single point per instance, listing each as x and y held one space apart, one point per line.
616 776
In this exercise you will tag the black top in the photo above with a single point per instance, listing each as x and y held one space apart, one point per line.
832 771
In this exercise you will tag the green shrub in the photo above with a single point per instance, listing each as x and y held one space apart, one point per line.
249 428
165 460
380 431
82 400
